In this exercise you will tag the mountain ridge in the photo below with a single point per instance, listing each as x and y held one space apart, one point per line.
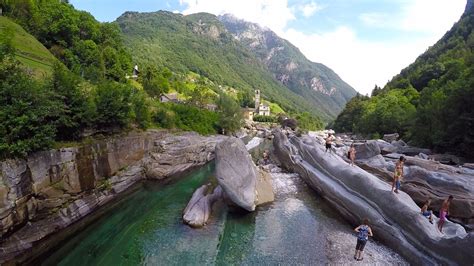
290 66
203 44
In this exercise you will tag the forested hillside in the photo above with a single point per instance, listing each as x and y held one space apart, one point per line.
431 102
200 43
86 92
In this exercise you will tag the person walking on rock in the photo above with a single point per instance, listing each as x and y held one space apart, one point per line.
329 140
425 212
398 175
352 154
443 212
363 233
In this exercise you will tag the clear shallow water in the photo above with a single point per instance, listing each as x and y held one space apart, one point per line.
146 228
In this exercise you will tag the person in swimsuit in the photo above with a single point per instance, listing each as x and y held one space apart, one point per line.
398 175
329 140
363 233
425 212
443 212
352 154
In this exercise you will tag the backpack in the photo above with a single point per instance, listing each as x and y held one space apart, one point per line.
349 155
363 233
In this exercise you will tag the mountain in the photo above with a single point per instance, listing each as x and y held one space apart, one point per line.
29 51
311 80
203 44
431 102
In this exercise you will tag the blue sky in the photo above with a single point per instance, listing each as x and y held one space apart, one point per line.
365 41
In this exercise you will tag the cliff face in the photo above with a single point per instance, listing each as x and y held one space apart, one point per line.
50 190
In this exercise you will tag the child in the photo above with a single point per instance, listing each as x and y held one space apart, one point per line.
425 212
329 140
363 233
352 154
443 212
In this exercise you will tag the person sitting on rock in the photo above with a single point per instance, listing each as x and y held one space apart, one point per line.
352 154
443 212
363 233
329 140
424 210
398 175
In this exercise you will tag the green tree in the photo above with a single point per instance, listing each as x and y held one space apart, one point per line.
230 115
77 110
154 82
26 108
112 101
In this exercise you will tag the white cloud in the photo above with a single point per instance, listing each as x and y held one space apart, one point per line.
361 63
274 14
433 16
309 9
375 19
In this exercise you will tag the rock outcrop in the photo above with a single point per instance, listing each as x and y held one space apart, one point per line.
199 208
356 194
367 150
238 176
51 190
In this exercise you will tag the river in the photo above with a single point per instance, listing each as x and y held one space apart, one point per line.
145 227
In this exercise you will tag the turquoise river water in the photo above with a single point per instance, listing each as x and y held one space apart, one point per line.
145 228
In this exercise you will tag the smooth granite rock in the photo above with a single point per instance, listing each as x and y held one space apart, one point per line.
367 150
357 194
198 210
236 173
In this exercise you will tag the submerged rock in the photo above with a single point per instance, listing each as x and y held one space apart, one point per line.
356 194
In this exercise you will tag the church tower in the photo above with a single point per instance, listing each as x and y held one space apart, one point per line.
257 99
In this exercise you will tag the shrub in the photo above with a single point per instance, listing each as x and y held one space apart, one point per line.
262 118
186 117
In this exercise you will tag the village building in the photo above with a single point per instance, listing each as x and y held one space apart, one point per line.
248 113
135 73
260 108
264 110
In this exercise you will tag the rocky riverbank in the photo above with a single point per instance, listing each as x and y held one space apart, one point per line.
50 190
357 194
426 175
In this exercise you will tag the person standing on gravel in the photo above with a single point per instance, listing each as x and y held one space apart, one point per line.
363 233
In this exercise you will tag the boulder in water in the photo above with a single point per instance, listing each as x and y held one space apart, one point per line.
199 208
236 173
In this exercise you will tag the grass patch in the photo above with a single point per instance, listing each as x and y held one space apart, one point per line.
29 51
